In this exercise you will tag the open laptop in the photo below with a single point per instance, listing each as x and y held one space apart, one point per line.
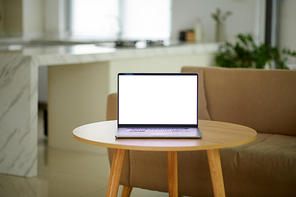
154 105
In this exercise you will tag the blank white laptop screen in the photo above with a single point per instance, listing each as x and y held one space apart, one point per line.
157 99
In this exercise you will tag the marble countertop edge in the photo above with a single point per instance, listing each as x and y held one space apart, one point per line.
90 53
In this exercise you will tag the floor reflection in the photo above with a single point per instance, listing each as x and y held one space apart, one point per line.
65 173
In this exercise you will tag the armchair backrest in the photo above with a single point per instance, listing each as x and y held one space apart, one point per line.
111 107
264 100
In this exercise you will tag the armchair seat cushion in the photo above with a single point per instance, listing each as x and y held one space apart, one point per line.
270 155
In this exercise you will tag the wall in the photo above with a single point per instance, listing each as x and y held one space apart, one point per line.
247 16
54 24
47 16
287 26
12 24
1 19
32 18
21 18
77 95
42 84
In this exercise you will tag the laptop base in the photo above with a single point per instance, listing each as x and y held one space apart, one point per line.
126 133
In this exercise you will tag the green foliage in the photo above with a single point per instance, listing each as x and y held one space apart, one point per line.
218 17
245 53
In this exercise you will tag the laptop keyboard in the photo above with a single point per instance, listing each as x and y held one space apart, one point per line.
155 130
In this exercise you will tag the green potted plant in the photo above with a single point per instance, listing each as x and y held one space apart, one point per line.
245 53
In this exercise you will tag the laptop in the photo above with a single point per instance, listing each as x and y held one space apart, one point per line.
155 105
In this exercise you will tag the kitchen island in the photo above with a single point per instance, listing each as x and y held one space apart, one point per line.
80 77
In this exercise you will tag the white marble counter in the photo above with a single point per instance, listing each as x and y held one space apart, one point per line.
18 92
57 55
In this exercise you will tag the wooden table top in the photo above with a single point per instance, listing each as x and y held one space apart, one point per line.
215 135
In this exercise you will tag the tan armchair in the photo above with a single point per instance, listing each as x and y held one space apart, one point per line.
261 99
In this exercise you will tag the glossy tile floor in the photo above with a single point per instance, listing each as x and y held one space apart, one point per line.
65 173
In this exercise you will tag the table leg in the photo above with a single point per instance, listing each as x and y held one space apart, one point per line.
115 174
216 172
172 173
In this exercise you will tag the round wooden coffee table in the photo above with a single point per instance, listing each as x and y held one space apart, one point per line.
215 135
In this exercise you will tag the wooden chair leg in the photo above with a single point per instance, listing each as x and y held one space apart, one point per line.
126 191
